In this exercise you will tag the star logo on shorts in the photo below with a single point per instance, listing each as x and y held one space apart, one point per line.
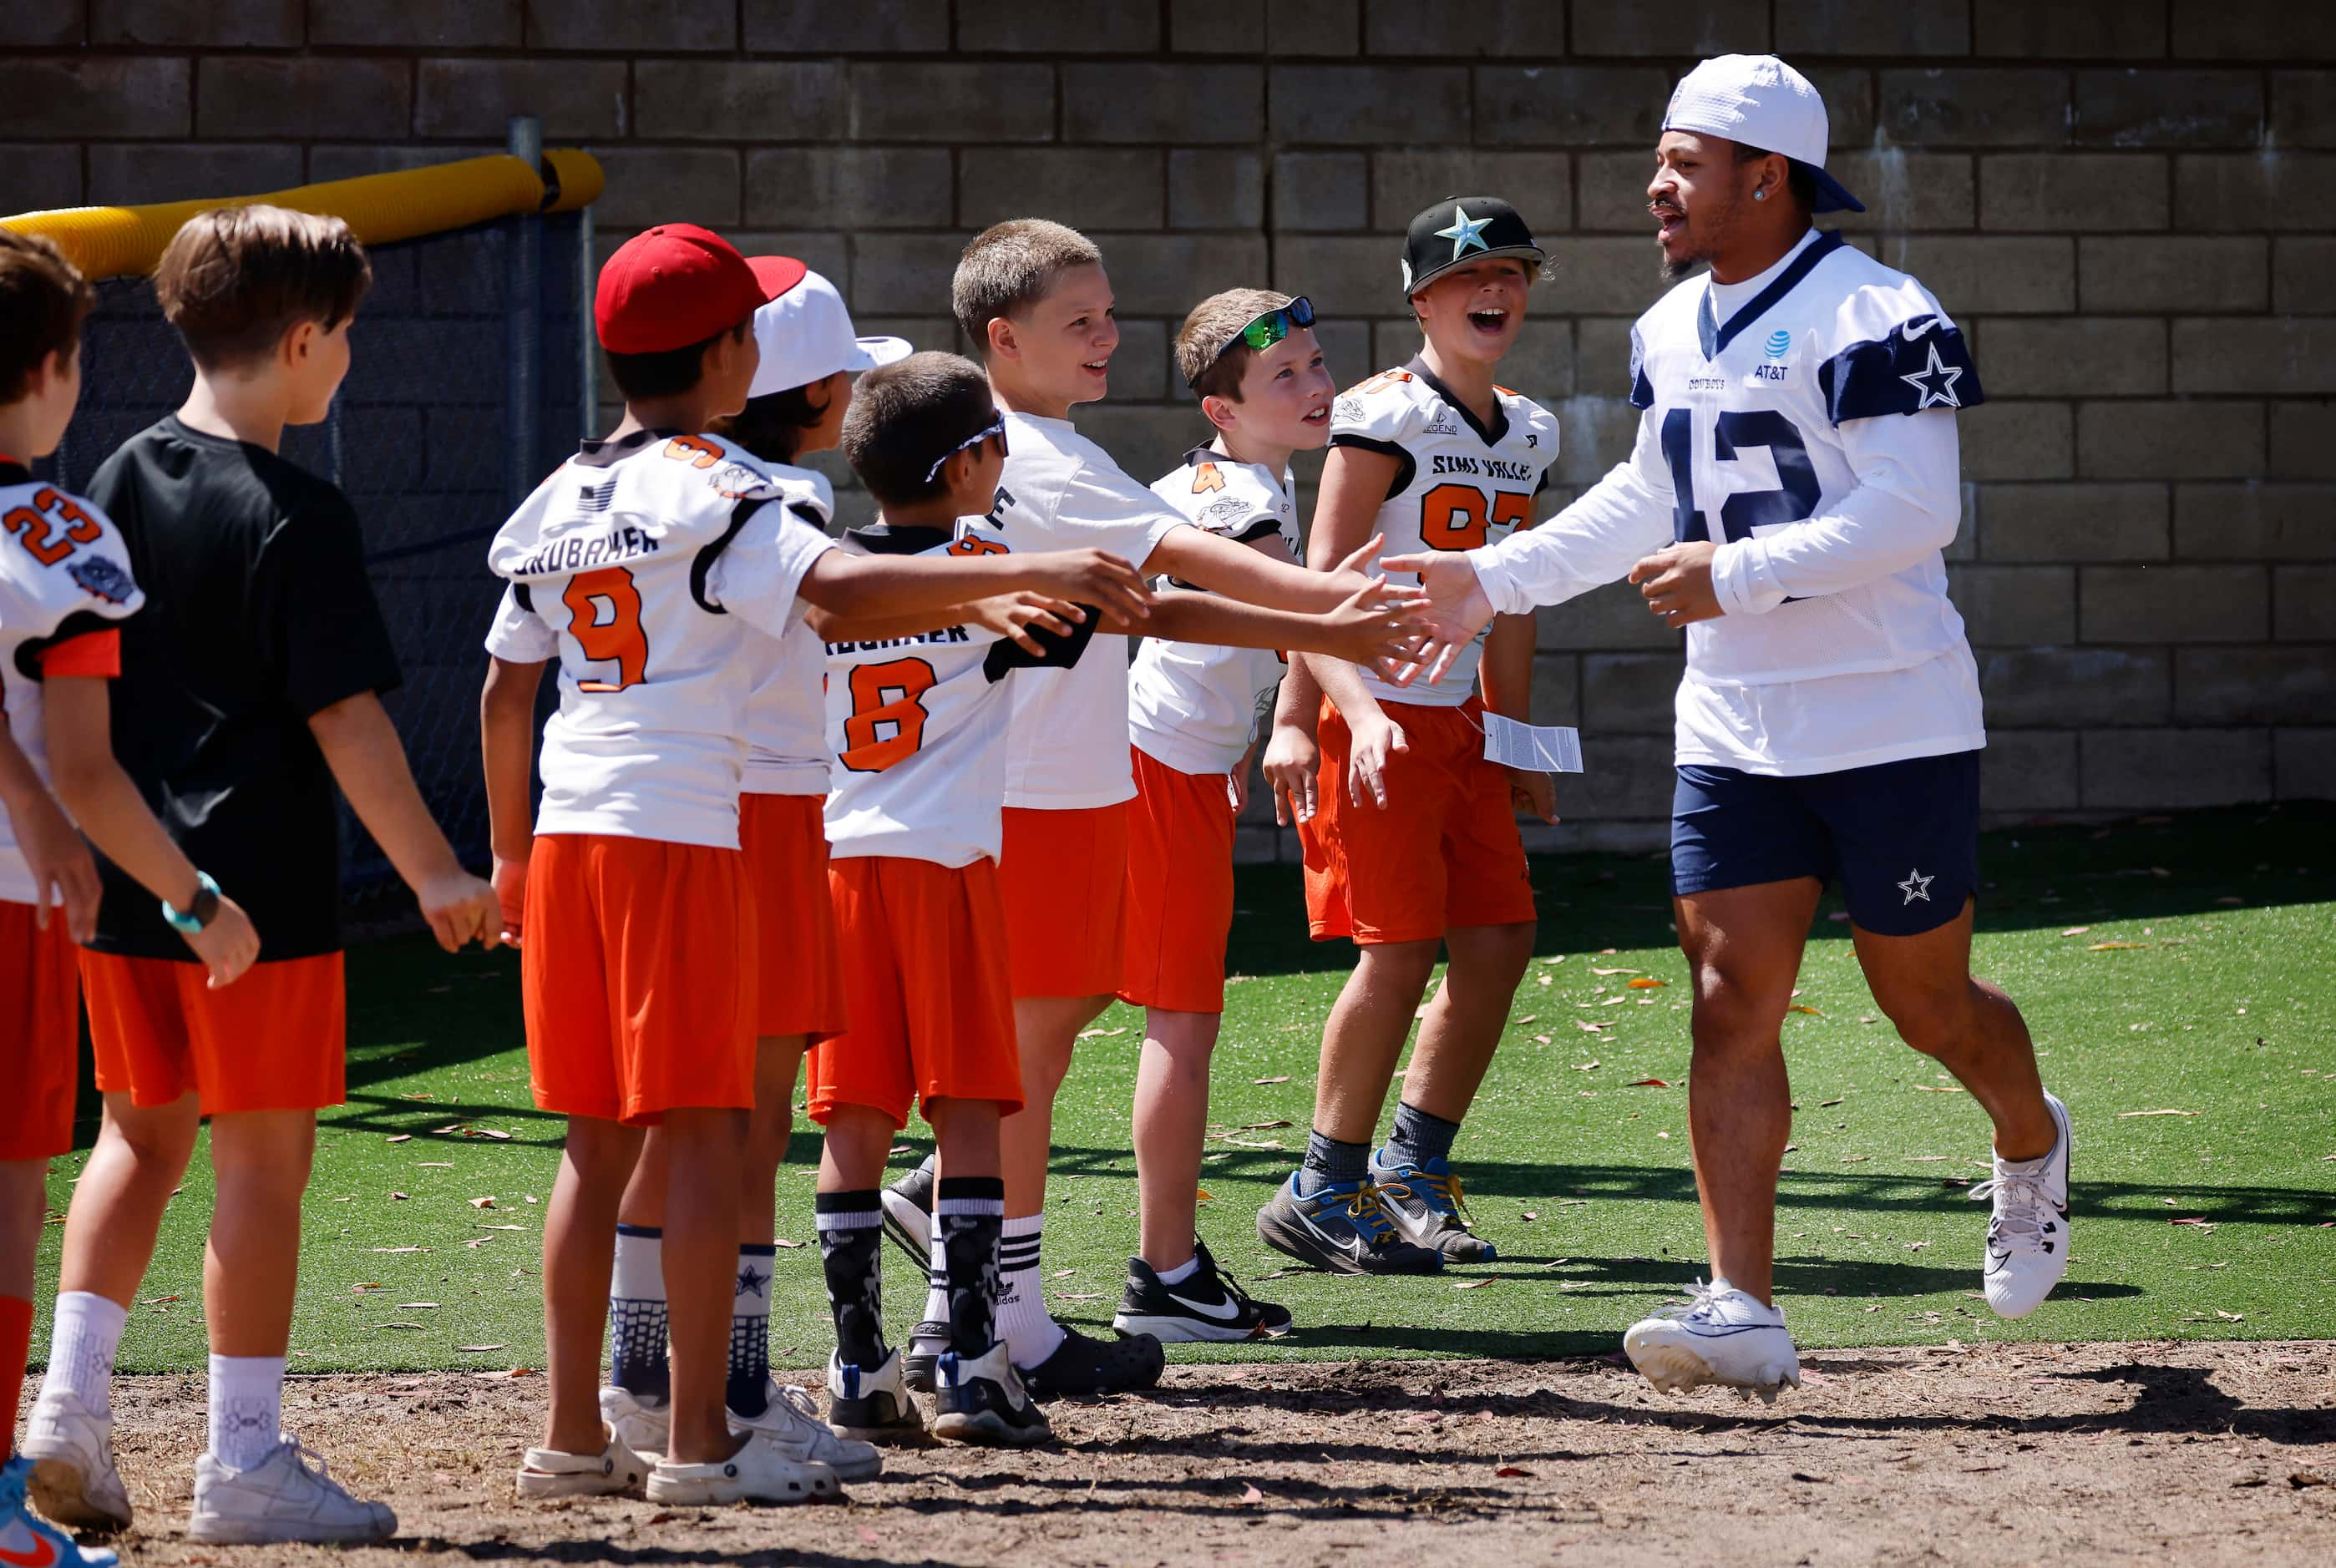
1936 381
751 1281
1916 885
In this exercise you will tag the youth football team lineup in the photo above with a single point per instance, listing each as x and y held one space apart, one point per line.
795 782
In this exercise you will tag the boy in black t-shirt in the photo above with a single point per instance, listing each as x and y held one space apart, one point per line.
249 687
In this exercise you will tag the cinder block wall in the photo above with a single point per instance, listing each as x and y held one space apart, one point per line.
2130 205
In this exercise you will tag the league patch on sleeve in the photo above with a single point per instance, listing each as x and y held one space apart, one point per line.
103 577
1920 363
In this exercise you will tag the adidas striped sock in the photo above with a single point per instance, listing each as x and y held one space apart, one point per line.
637 1315
1030 1333
936 1279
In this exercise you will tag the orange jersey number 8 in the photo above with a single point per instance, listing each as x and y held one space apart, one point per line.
887 720
1453 517
617 640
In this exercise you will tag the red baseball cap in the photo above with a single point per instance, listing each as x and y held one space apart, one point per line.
670 286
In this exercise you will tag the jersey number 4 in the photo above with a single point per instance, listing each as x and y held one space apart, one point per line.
605 619
888 718
1455 517
1794 498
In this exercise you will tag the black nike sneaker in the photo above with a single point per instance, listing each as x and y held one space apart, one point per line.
1342 1227
1205 1305
909 1214
1083 1367
927 1341
982 1400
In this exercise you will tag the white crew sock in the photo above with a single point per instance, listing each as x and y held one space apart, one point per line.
247 1408
1030 1333
936 1281
82 1343
1182 1271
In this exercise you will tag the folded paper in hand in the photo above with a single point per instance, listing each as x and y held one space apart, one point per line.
1535 748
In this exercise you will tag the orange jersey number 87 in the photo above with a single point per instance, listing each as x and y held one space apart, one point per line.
617 639
1454 517
888 720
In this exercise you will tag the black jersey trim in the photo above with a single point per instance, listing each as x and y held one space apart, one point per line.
1407 466
609 454
1824 245
894 540
701 566
80 623
1491 436
523 597
1063 649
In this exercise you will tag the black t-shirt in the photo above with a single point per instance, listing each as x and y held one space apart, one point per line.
258 614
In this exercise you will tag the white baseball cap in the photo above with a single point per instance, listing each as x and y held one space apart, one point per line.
1759 101
805 333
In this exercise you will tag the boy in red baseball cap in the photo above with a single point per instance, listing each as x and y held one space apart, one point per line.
647 564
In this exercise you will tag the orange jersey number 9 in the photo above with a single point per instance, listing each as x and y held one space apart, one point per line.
1454 517
887 722
617 638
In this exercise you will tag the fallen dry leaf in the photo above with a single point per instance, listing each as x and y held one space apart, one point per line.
478 1348
1512 1471
1203 1195
1823 1103
1528 1215
1595 970
1591 1026
1939 1088
496 1133
401 1249
2075 930
782 1241
1251 1494
1528 1018
2123 1115
397 1197
2110 946
403 1138
2230 1317
397 1325
1100 1033
1283 1079
1648 1083
1475 1284
1589 1066
1261 1125
1803 1007
1644 984
485 1202
417 1306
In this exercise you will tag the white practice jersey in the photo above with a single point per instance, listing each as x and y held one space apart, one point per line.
1460 484
63 568
919 727
786 718
650 567
1061 492
1802 421
1196 706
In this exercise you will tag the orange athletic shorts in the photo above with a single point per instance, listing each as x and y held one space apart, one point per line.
40 1033
637 977
924 977
1179 882
1064 875
275 1039
1443 855
799 983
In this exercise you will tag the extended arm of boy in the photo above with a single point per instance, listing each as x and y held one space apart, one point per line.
77 723
507 744
1354 480
845 591
361 748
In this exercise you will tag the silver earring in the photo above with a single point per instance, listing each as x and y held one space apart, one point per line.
1759 196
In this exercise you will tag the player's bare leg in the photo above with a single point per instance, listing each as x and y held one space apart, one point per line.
261 1161
140 1158
595 1164
701 1254
1742 948
1045 1030
1365 1035
1467 1016
1172 1124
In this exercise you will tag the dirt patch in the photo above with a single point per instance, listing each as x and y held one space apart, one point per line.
2091 1454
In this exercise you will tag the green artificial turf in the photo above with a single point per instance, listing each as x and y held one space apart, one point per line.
2219 1008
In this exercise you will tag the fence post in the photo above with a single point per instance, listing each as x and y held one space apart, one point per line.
586 343
523 326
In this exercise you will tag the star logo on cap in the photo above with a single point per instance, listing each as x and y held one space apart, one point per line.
1936 381
1464 232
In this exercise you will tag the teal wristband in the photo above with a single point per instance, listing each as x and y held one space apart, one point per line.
191 921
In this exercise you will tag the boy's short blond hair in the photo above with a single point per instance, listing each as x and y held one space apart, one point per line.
43 299
234 280
1209 355
1009 267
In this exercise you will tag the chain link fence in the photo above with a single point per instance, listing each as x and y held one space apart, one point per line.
467 386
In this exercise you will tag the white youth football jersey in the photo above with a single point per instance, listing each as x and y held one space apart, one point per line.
919 727
1461 485
786 718
1195 706
650 566
1061 492
63 565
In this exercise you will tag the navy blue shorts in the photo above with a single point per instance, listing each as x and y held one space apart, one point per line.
1900 837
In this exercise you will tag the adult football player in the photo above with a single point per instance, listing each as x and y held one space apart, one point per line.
1792 485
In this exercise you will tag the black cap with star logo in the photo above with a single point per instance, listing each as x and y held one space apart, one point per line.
1460 230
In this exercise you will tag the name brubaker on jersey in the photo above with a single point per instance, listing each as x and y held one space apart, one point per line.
923 639
1487 468
575 555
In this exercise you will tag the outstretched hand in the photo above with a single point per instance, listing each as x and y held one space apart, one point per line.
1676 582
1012 616
1088 576
1456 610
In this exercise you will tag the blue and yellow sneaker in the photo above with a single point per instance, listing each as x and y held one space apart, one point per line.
34 1542
1341 1226
1425 1204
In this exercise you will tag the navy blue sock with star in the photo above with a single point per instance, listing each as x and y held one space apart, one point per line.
747 1391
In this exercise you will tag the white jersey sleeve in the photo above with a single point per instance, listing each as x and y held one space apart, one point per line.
1460 484
1195 706
1062 492
786 718
64 570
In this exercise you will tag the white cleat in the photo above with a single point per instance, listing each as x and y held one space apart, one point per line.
790 1422
2028 1236
1722 1336
616 1470
640 1424
283 1497
73 1480
759 1472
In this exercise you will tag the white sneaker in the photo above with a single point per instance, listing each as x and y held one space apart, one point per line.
759 1472
639 1423
1722 1336
874 1405
284 1497
615 1470
790 1420
74 1482
2028 1237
